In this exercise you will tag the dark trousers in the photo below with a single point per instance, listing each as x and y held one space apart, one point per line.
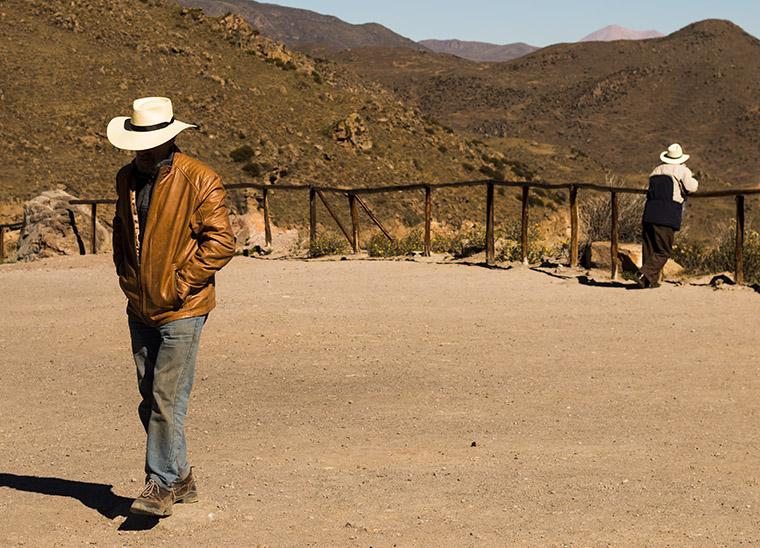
657 247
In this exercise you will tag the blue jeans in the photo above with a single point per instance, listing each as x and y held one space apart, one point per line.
165 359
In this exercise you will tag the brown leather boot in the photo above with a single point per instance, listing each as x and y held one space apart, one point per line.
154 501
185 489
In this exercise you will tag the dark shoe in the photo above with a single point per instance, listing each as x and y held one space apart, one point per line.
641 280
154 501
185 490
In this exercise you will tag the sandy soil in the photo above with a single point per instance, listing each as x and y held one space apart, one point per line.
390 404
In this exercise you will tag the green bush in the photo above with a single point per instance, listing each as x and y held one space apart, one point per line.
242 154
329 243
520 169
256 169
317 77
490 172
380 246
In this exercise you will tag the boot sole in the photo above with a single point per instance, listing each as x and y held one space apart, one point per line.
187 499
142 511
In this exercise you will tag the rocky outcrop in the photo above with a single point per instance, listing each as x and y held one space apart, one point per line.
353 132
251 239
238 32
630 256
53 227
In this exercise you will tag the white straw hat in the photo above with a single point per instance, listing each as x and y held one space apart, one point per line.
152 124
674 155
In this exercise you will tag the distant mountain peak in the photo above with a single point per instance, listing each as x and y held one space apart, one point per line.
616 32
479 51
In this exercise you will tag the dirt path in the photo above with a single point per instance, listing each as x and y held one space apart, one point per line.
336 404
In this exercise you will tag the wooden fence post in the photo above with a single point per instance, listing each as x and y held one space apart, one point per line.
428 218
267 220
335 217
573 226
614 234
490 244
2 243
373 217
312 216
94 225
354 221
739 265
524 223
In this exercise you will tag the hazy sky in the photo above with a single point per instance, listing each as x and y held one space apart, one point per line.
537 22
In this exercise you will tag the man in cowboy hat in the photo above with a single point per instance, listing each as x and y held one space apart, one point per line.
171 234
669 185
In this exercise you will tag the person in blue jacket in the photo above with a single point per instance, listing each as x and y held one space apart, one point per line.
669 185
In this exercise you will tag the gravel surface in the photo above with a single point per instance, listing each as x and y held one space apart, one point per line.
367 403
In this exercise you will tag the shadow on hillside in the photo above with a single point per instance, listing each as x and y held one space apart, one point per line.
98 496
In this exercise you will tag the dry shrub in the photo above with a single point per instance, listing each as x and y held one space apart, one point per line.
472 239
329 243
699 259
380 246
595 211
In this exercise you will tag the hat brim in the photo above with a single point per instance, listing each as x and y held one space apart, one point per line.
122 138
674 161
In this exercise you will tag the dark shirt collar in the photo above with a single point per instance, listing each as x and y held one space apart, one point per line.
164 165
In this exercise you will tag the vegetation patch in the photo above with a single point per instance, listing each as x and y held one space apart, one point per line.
329 243
380 246
242 154
256 169
699 259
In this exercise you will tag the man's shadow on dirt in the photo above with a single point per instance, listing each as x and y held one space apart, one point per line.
98 496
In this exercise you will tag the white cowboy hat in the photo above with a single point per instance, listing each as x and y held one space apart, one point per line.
152 124
674 155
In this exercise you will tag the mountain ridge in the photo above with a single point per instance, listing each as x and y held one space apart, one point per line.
303 29
611 33
479 51
697 85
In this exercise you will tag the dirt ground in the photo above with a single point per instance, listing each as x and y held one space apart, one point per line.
362 403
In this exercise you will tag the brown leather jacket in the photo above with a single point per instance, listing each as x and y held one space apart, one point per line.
187 239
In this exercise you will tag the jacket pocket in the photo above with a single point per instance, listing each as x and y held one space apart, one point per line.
175 287
162 293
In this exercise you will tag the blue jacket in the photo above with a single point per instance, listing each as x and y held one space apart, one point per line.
660 208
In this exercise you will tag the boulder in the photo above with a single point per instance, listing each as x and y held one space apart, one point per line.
353 132
251 238
672 271
53 227
598 255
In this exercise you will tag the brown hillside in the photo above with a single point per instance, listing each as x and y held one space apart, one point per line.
70 66
619 103
305 30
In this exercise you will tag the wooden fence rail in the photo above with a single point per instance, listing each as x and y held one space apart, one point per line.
355 201
490 184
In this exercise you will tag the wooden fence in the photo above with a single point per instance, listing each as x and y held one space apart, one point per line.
355 202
